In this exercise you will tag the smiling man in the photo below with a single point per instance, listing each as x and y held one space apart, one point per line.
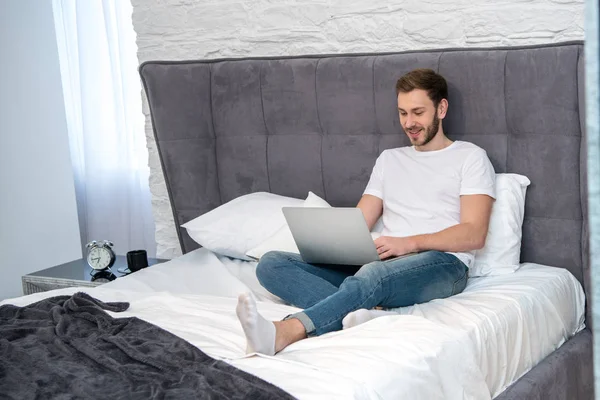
435 198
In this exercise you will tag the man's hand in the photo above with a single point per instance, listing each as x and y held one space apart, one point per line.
388 246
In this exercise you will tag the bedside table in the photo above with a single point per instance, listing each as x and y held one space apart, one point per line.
74 273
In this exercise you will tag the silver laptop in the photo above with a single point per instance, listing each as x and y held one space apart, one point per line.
331 235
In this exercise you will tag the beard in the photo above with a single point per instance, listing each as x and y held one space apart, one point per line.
430 132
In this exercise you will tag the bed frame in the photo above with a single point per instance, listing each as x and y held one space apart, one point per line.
287 125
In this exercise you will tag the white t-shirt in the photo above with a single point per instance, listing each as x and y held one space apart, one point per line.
421 189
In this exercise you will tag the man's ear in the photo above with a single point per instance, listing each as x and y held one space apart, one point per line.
442 108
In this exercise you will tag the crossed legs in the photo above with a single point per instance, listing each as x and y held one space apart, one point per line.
328 294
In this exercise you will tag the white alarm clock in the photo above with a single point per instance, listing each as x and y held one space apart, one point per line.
100 255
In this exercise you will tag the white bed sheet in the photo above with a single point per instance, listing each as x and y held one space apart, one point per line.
390 358
486 337
513 321
198 272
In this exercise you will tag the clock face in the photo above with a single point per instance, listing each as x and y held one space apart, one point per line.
99 258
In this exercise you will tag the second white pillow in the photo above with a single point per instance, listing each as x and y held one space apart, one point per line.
502 249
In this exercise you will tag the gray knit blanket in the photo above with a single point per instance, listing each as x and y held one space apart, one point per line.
68 347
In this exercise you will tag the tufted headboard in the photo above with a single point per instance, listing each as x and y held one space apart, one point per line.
288 125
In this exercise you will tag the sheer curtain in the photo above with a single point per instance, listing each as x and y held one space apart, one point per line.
98 60
592 103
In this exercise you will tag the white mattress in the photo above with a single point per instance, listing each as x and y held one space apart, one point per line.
471 345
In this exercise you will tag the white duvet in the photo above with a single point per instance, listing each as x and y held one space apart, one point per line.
470 346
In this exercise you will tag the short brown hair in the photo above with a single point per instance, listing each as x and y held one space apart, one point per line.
425 79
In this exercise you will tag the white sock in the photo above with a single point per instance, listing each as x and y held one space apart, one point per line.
363 315
260 333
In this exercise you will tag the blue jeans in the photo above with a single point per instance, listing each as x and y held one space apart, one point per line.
327 293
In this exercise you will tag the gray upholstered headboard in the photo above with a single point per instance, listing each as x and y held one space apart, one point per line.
288 125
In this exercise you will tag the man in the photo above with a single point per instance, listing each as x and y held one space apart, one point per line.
435 198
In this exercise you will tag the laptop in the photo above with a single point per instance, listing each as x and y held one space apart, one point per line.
331 235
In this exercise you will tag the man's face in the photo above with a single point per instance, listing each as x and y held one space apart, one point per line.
418 116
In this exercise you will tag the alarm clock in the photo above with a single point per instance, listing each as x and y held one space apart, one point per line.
100 255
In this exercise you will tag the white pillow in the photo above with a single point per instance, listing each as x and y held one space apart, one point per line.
502 249
241 224
283 240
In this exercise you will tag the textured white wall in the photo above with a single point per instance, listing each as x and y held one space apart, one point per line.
201 29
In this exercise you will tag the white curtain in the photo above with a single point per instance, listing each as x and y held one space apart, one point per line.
101 85
592 102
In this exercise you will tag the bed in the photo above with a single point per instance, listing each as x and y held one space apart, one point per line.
290 125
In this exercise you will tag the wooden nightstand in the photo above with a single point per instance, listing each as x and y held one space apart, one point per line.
74 273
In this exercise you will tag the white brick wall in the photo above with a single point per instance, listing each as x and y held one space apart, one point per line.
201 29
